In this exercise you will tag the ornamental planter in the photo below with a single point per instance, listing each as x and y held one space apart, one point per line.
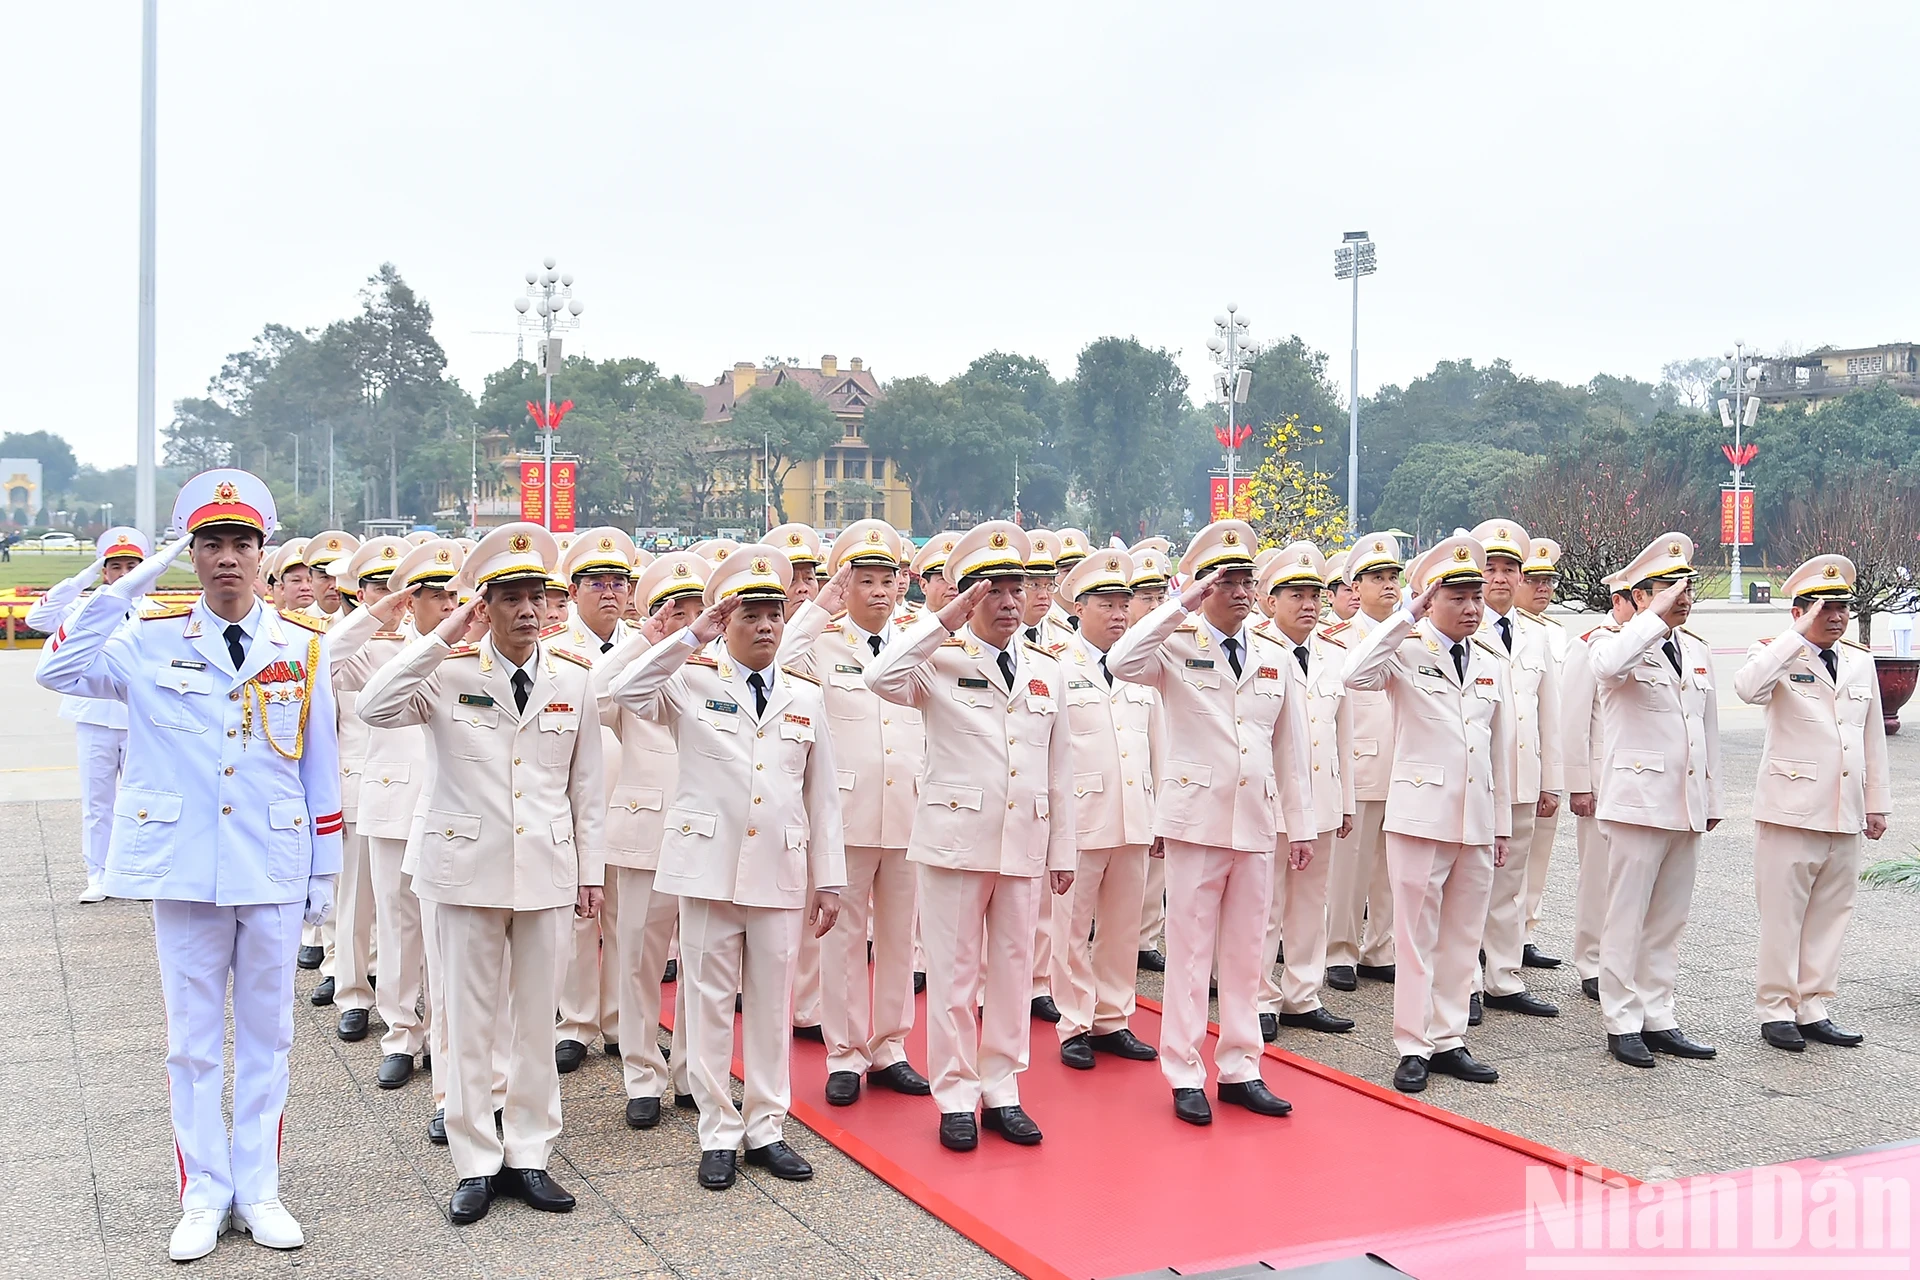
1897 677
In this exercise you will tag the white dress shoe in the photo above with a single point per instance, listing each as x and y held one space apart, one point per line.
95 891
269 1224
198 1232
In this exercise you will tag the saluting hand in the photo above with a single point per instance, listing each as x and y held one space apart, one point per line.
833 596
1419 605
1666 604
1197 592
653 629
961 607
712 622
453 628
389 607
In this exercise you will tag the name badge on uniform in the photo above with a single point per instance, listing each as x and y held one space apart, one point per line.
1200 664
191 665
1798 678
1432 671
731 708
1483 680
476 700
801 720
1079 684
558 706
967 682
844 669
1699 671
1268 673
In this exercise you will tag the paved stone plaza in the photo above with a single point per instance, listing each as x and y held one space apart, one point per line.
89 1168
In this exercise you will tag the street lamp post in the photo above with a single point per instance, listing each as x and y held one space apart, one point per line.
1353 259
1741 380
144 440
550 297
1230 346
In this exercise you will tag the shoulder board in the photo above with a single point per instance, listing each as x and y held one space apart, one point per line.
308 621
1057 647
570 656
1271 637
552 630
836 618
1334 630
1493 649
1538 617
464 651
1695 634
906 619
1336 643
953 643
1028 644
1605 626
174 611
387 635
1855 644
1186 626
832 628
799 675
702 660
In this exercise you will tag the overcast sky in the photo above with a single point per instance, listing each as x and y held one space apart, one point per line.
1578 189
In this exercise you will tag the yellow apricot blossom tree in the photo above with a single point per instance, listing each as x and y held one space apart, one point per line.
1288 501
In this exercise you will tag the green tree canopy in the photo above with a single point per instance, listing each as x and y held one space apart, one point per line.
1122 434
1440 487
790 425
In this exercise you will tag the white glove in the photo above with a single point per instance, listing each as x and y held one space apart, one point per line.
137 583
319 899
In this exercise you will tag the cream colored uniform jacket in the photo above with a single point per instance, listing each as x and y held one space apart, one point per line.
1453 757
647 771
1825 763
1372 751
1329 725
755 814
1237 760
1661 729
997 795
515 800
395 776
1533 678
878 748
354 733
1582 737
1115 736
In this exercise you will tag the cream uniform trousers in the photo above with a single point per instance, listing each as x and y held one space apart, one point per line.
101 749
353 916
643 931
1153 905
437 1021
1440 892
727 948
1298 913
1805 882
962 913
1094 983
1211 893
397 930
1590 894
1649 890
865 1017
1538 858
1359 893
1504 932
589 995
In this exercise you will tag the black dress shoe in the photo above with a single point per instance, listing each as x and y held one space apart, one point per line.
643 1113
813 1033
322 994
1377 972
1043 1008
1630 1049
1826 1033
373 982
1153 961
1124 1044
426 1061
1462 1065
535 1188
1077 1053
901 1078
1013 1124
470 1200
780 1160
1675 1043
685 1102
395 1070
1532 957
568 1055
1524 1002
716 1170
1269 1027
1254 1096
1411 1075
1317 1020
919 982
958 1131
310 957
843 1088
1341 977
672 973
611 1048
353 1025
437 1129
1475 1010
1191 1105
1590 988
1783 1035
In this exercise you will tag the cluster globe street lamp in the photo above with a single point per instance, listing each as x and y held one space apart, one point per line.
1231 348
549 298
1739 409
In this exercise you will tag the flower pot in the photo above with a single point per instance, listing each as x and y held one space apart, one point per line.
1897 676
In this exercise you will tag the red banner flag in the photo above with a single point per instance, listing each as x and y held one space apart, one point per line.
1743 519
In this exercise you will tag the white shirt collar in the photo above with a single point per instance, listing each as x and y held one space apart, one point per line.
1220 637
249 625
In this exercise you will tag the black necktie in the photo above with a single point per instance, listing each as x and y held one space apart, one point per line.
1033 634
1672 651
759 687
1460 660
1006 668
237 645
1300 656
1832 660
605 645
1506 632
522 689
1103 670
1073 622
1232 647
873 643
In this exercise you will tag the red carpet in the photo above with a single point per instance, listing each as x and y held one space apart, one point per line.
1121 1186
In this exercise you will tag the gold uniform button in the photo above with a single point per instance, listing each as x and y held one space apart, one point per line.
141 814
234 696
886 720
1013 773
889 781
759 766
761 734
230 733
756 799
228 771
684 828
516 759
752 831
449 831
889 750
226 808
519 831
516 795
298 821
1009 804
953 804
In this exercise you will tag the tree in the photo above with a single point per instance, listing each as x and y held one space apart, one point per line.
1287 501
1441 487
1121 431
789 425
1691 381
1289 379
1873 520
956 442
1603 505
55 455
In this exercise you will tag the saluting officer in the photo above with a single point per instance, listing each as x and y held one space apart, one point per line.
927 565
1539 576
800 543
1661 720
984 869
1037 628
1235 771
1823 782
1583 764
1151 569
511 840
228 818
753 846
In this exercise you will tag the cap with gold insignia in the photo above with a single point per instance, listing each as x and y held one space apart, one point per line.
1502 538
995 549
753 572
1155 543
1374 551
932 557
673 575
1544 557
123 541
1459 561
225 495
1224 544
467 544
1072 546
292 555
641 559
800 542
331 547
1150 567
1263 558
1828 577
1337 566
866 542
1099 573
375 558
511 553
431 564
1667 558
602 550
1298 564
1043 552
714 550
420 537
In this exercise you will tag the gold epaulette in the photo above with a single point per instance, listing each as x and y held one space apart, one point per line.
702 660
307 620
168 611
464 651
1270 637
553 629
1605 626
1855 644
1695 634
1186 626
1328 633
832 628
953 642
1338 644
800 675
1028 644
1495 650
1539 617
1056 648
836 617
570 656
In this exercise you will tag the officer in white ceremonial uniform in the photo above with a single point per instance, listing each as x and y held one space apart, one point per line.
801 544
1539 577
926 569
1235 771
753 846
1342 600
1660 716
228 818
1822 785
1298 910
995 825
511 842
100 724
1583 766
1151 569
878 750
1038 629
1449 811
1070 548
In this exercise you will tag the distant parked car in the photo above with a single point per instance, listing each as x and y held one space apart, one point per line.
59 542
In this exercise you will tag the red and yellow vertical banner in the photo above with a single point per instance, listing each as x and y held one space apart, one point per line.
1239 500
563 476
1736 523
533 494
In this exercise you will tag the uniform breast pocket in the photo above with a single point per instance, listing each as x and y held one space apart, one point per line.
450 848
1040 706
384 792
289 842
1854 702
1652 685
473 732
628 815
1201 678
721 722
185 701
976 701
144 829
557 729
796 743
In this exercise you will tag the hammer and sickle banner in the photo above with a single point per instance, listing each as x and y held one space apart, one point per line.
533 494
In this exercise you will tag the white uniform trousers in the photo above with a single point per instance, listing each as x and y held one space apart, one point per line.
1360 899
1805 883
437 1020
396 921
200 945
353 916
1538 857
1042 983
1440 894
1589 894
806 980
727 948
1298 913
1649 892
975 925
1094 983
1225 893
865 1018
102 749
500 962
1504 934
589 996
1153 905
642 932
